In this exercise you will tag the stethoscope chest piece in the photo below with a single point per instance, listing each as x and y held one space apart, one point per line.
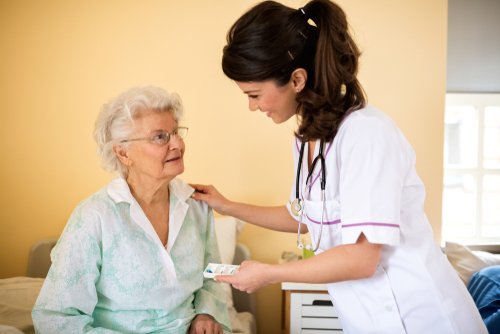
296 207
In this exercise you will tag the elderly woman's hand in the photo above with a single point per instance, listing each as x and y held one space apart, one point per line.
210 195
205 324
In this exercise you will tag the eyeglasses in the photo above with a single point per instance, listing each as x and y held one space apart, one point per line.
161 138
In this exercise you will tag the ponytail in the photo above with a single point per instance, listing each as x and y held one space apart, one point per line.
334 89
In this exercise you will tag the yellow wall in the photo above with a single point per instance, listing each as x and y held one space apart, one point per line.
61 60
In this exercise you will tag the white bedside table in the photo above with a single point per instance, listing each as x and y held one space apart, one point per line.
307 309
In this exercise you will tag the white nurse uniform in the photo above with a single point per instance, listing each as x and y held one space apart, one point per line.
372 188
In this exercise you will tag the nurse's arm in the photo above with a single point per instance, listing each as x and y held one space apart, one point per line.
275 218
341 263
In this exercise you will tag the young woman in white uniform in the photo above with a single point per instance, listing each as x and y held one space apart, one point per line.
355 187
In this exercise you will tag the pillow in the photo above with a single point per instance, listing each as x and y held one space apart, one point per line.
227 230
466 262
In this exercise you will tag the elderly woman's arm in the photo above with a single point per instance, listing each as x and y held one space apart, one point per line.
211 299
68 297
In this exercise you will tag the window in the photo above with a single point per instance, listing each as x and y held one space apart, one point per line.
471 189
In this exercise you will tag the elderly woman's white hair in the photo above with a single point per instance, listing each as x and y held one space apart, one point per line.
115 121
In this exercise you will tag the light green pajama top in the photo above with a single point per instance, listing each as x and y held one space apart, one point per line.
110 272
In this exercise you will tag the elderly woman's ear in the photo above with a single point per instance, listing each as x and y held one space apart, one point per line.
122 155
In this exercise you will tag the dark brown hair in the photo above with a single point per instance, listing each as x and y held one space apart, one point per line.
271 40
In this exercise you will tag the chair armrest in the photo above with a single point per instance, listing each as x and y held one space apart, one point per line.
39 258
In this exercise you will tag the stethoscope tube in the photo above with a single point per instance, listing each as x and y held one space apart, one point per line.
298 202
299 168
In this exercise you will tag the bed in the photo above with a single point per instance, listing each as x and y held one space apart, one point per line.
18 294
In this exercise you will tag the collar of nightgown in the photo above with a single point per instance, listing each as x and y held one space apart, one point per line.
180 192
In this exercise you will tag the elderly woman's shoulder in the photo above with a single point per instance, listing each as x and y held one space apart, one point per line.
93 206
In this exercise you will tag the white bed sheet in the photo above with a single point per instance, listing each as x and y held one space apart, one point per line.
17 297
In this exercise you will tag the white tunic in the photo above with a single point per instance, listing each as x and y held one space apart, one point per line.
372 188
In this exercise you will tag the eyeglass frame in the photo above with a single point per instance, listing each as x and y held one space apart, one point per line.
169 136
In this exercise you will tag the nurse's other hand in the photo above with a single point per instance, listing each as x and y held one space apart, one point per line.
210 195
251 276
205 324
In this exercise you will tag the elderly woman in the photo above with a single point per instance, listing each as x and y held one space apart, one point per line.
131 257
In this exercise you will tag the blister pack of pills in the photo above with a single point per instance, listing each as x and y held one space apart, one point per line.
213 269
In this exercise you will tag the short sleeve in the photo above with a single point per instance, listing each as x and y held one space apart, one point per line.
372 171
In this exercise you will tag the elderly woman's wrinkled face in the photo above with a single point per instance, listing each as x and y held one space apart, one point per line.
150 159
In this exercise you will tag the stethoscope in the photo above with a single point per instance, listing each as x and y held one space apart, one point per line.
297 205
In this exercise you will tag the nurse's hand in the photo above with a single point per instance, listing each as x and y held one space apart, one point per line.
211 196
205 324
251 276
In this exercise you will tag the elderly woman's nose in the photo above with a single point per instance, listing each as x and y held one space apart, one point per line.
176 141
